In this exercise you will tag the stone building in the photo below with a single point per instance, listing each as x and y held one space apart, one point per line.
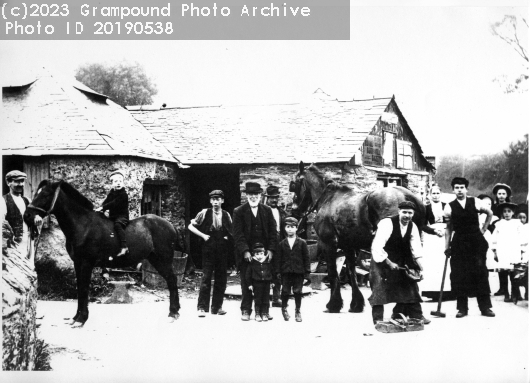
54 128
365 143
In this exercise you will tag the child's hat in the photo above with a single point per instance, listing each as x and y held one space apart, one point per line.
117 172
510 205
258 247
217 193
291 221
502 186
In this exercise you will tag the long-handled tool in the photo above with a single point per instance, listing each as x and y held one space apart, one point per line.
438 313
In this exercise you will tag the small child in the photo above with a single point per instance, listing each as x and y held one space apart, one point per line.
117 203
292 266
259 277
509 245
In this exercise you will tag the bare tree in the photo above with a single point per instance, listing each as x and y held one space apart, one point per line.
124 83
511 30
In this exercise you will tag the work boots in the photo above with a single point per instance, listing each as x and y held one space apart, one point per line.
297 316
285 313
258 317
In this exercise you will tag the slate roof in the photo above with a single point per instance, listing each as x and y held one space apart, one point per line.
320 130
53 116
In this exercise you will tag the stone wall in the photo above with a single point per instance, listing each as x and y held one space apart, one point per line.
19 305
90 175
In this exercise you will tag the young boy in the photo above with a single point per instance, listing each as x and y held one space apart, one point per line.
508 245
292 266
259 277
117 203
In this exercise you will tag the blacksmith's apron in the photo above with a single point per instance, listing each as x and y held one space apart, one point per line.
469 273
390 286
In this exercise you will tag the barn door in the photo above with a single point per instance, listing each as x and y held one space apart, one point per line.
37 170
152 200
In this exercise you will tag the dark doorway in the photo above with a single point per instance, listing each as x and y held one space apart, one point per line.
10 163
202 181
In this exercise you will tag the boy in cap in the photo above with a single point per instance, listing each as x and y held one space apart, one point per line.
117 203
214 227
258 277
292 267
509 245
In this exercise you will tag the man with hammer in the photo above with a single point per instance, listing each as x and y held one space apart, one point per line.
467 249
12 208
396 250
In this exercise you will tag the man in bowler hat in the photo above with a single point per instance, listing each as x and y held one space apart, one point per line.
253 223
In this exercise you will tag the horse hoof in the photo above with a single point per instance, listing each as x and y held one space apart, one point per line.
77 324
173 317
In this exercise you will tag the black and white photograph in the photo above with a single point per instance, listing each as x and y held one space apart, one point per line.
342 201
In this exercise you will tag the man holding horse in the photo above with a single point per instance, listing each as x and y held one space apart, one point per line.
396 249
467 249
214 226
273 195
253 223
12 208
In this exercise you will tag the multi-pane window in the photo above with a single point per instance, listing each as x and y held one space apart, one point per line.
404 157
372 151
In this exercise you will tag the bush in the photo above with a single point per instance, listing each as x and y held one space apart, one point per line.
42 356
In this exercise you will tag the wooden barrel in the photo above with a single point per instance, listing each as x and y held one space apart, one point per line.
151 277
313 256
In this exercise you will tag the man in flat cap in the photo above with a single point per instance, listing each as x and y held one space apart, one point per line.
467 249
253 223
214 227
273 195
396 248
12 209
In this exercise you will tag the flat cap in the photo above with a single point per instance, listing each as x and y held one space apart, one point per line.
459 181
407 205
258 247
15 175
217 193
291 221
117 172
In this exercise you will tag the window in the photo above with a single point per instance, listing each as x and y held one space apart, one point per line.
372 150
388 151
404 149
386 181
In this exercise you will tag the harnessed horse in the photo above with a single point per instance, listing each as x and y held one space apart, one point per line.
90 240
345 220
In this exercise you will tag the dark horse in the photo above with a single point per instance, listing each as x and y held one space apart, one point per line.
90 240
346 220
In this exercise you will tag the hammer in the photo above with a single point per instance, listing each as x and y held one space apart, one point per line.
438 313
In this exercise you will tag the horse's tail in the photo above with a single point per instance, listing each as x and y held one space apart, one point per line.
179 242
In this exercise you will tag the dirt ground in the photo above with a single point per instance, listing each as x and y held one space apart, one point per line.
135 342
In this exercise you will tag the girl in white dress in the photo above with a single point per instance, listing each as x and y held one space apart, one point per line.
509 244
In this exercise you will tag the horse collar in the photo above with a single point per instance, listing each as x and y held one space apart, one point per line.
53 202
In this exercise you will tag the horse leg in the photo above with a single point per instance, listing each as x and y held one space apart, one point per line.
165 269
335 301
77 268
83 287
357 298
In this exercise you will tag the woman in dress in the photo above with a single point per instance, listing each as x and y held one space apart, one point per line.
502 194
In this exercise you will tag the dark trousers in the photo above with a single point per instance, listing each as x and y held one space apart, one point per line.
276 290
246 294
484 302
261 296
411 310
294 282
119 227
214 262
503 281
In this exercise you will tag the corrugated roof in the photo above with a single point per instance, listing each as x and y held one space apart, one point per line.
56 117
320 130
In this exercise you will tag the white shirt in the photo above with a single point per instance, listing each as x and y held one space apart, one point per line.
276 214
437 211
479 205
384 230
254 210
291 241
19 201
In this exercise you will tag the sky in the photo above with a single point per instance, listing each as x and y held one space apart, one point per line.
439 62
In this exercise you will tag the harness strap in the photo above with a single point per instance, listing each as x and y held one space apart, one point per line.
53 202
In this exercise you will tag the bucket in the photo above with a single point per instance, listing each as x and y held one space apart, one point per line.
312 246
151 277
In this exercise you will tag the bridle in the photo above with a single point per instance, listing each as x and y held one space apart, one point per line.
297 186
53 203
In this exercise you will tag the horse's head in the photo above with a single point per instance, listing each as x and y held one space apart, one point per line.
43 201
300 186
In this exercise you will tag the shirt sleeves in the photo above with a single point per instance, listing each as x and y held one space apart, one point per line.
384 230
3 209
199 218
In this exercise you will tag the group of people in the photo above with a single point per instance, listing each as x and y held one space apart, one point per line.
269 252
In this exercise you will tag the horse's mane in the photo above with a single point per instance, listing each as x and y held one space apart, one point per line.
319 174
70 191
